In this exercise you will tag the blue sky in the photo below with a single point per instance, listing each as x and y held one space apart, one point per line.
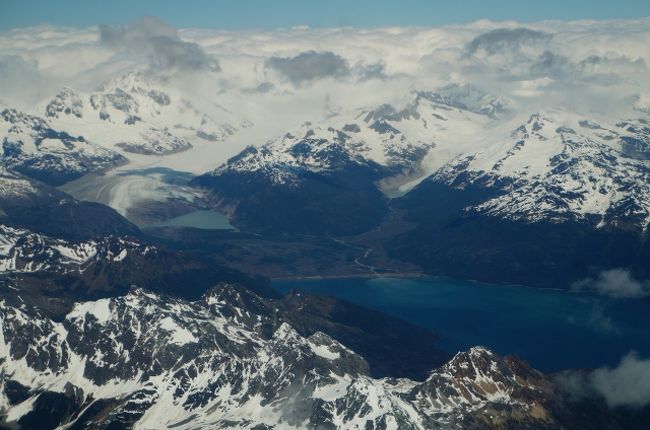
256 14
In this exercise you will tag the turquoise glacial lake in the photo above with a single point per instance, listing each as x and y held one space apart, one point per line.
203 219
551 329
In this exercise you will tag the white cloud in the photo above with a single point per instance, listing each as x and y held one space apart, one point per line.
532 87
21 82
627 385
615 283
583 66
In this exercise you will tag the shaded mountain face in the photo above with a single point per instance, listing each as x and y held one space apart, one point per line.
36 206
149 361
541 254
547 207
312 185
339 202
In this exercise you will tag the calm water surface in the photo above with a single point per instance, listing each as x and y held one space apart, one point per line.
551 329
204 219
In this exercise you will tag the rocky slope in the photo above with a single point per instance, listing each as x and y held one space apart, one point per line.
34 205
149 361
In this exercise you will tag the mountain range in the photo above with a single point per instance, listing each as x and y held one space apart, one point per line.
107 326
477 181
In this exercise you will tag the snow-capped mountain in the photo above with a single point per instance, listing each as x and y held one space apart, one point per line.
554 165
559 166
155 142
469 98
23 251
140 115
150 361
341 169
32 146
544 201
13 185
395 138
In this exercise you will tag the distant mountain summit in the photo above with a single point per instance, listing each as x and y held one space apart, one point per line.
30 145
395 138
140 115
560 166
341 169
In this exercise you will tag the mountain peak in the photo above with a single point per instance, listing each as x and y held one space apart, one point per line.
33 147
467 97
194 367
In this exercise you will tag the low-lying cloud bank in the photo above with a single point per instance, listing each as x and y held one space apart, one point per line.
627 385
619 283
288 76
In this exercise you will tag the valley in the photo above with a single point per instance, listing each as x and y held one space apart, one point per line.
310 227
